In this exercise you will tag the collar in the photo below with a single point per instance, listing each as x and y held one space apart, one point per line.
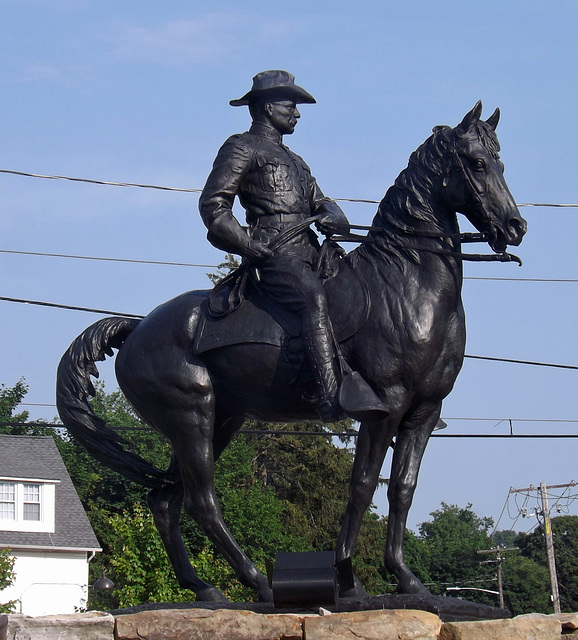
264 131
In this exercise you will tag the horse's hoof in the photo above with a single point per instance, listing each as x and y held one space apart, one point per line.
412 587
357 592
265 594
212 594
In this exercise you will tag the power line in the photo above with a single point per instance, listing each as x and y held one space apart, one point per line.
154 186
75 257
71 308
563 280
138 316
215 266
446 419
530 362
102 182
514 419
336 434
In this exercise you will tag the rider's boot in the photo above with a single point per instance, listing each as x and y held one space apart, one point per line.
321 355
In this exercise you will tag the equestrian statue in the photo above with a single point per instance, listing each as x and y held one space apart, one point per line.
302 331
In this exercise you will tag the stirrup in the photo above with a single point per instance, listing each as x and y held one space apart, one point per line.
358 400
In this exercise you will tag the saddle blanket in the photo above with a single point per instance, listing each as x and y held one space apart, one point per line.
257 320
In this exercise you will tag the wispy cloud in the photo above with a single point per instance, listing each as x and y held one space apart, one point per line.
30 70
206 39
56 5
211 38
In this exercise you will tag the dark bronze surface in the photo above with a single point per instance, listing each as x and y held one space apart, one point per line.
409 348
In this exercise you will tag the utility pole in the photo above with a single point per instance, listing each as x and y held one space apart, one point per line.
543 491
550 548
500 561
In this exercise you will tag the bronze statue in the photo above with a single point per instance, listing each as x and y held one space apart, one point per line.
396 311
278 192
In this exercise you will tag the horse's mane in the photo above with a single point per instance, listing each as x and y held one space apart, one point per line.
408 203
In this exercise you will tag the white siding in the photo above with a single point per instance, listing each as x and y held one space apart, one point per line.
48 582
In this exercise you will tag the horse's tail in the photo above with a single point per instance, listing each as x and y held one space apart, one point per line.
74 386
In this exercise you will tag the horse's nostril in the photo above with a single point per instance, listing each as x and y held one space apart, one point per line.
517 227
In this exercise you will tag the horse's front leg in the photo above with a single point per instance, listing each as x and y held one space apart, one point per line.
372 444
410 444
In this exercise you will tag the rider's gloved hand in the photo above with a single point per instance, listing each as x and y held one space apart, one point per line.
257 251
329 225
334 220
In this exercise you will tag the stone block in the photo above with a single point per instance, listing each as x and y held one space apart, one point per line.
527 627
203 624
374 625
92 625
569 622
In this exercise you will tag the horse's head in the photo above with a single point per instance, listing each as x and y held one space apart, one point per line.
474 183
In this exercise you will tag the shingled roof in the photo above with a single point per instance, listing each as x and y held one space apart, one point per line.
37 457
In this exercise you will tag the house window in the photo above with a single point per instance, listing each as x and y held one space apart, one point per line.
31 502
27 504
7 501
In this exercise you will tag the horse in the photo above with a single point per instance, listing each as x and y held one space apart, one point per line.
409 349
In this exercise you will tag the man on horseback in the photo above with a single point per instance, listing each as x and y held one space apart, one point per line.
278 192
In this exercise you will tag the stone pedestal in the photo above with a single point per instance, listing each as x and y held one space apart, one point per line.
93 625
221 624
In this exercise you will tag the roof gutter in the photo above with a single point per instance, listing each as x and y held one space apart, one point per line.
38 547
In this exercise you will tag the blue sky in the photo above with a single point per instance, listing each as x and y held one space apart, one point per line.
138 92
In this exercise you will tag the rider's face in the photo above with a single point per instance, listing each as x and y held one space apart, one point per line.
283 115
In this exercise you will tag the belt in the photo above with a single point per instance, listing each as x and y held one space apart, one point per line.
284 218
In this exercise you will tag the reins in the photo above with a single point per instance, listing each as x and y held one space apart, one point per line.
462 237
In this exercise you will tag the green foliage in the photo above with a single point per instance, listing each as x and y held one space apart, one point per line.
253 510
565 536
284 493
99 487
311 475
10 398
526 585
230 263
13 424
6 578
451 541
138 564
504 538
276 493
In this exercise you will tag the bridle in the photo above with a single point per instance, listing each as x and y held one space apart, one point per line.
503 256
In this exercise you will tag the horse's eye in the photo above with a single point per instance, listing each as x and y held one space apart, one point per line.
479 165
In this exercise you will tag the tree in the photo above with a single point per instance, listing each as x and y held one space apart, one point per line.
526 585
505 538
451 541
311 475
230 263
565 535
15 424
277 493
10 398
6 578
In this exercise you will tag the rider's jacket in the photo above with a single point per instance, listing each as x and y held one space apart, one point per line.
274 186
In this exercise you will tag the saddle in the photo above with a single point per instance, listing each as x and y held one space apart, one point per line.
256 319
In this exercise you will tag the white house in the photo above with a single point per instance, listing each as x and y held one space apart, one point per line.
43 523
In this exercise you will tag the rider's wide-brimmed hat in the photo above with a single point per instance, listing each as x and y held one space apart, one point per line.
279 84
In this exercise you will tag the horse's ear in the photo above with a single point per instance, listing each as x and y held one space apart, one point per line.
493 120
471 117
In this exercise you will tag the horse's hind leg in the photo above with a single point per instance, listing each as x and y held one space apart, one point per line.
165 504
192 439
